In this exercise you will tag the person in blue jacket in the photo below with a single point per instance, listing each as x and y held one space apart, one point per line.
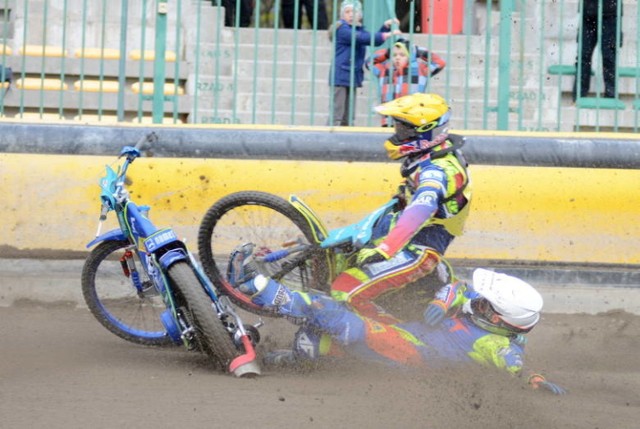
484 322
347 71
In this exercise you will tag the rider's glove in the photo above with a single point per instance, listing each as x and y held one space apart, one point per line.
401 197
539 382
442 302
371 256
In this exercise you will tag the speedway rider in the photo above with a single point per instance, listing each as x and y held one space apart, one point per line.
484 321
434 201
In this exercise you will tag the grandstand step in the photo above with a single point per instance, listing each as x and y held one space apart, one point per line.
5 50
46 84
112 119
150 55
96 85
76 100
148 88
570 70
98 53
627 87
42 51
600 103
88 67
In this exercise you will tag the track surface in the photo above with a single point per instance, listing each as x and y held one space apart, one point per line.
60 369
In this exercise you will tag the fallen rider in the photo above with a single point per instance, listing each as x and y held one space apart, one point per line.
484 322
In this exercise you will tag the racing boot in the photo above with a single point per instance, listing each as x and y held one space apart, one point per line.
269 293
308 346
242 267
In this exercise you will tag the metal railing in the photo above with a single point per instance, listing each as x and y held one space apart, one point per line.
510 64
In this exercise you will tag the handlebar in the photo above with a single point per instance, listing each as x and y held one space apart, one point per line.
151 138
113 184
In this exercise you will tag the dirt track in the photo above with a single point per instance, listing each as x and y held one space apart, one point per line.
60 368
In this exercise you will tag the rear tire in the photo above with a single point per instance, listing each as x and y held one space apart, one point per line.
266 220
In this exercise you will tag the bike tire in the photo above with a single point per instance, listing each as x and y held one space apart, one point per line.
209 329
115 302
265 220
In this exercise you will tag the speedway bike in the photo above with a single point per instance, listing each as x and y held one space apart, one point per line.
144 285
287 241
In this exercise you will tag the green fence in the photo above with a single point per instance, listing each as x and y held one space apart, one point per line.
510 64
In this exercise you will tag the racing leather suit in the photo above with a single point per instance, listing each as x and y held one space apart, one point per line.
333 329
415 237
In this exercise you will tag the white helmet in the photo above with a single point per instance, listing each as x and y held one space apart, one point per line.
506 306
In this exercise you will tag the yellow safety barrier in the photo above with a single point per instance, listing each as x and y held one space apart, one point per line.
518 213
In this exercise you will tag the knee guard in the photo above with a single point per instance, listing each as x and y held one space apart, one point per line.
312 344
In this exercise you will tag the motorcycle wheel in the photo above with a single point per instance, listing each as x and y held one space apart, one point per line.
210 332
267 221
116 303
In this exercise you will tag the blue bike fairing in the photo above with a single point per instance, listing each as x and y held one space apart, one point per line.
108 186
113 235
359 233
172 256
159 239
138 223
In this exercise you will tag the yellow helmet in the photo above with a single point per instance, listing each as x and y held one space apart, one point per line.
421 123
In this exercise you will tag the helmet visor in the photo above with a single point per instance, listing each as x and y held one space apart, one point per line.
492 319
404 131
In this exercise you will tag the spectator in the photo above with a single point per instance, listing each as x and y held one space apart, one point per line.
604 13
289 9
347 69
246 10
403 70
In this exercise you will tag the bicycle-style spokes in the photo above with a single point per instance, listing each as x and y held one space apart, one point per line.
274 227
125 303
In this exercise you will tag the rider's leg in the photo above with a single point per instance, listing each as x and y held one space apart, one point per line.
359 286
331 326
317 310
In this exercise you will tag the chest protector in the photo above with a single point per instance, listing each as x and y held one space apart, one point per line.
454 209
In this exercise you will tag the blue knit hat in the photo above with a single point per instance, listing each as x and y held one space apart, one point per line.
356 5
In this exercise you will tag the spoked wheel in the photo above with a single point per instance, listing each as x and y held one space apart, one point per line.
271 224
115 302
210 332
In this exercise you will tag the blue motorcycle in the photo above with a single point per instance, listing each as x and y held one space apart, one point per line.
144 285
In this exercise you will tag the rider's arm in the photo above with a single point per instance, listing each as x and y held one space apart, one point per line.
452 295
498 351
431 190
505 353
538 382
